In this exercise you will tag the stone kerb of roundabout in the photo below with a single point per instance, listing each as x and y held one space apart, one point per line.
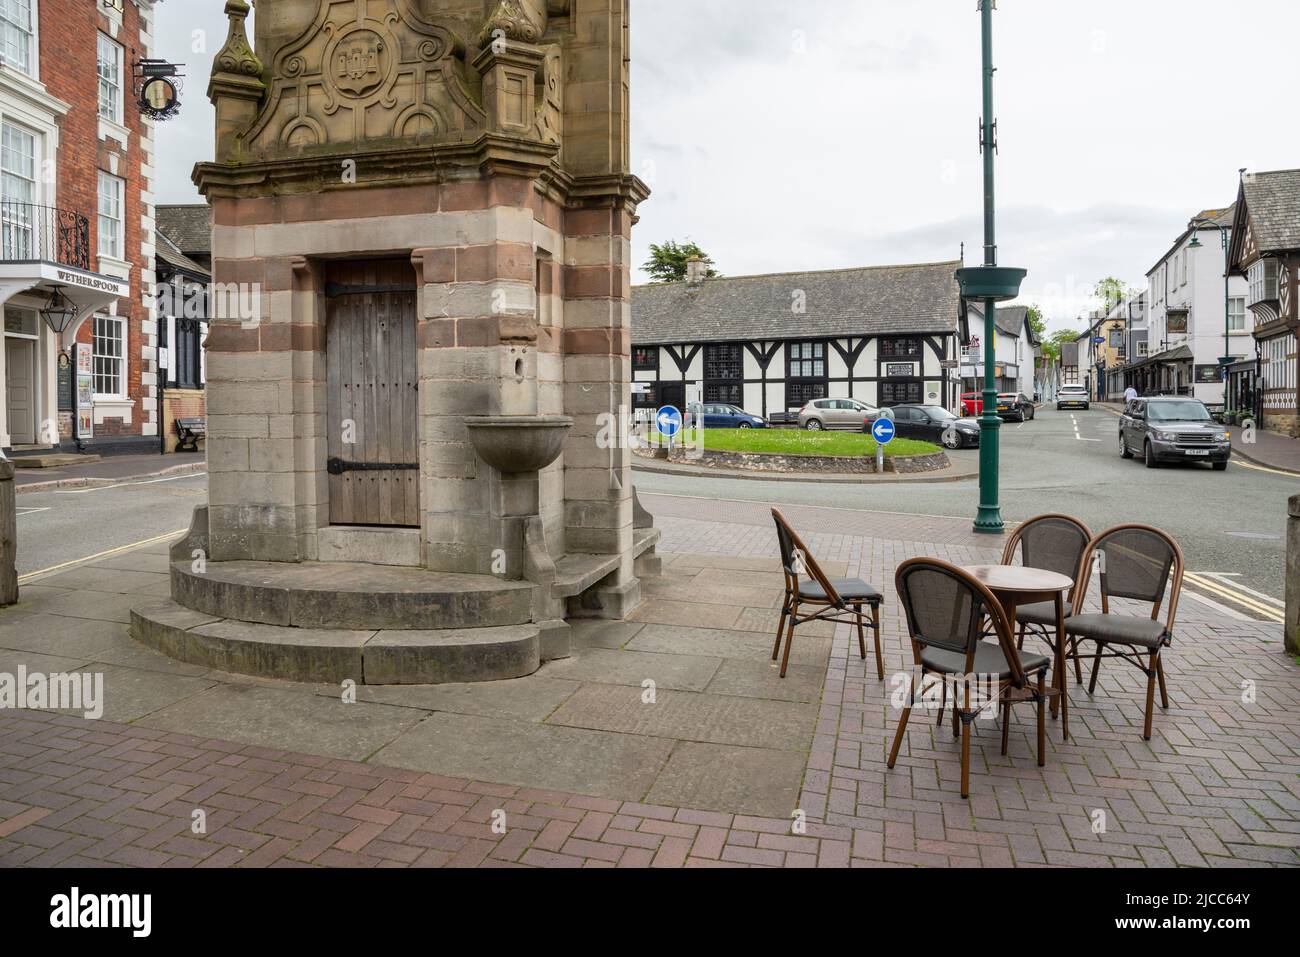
798 463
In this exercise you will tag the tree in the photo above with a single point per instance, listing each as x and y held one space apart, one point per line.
1052 344
668 263
1112 292
1037 322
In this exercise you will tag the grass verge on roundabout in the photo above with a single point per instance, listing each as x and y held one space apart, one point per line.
798 442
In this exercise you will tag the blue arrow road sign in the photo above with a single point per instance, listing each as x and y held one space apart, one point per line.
883 431
669 421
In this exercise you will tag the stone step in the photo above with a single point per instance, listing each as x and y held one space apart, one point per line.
339 595
334 655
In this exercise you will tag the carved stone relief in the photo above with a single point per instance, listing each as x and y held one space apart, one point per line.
367 70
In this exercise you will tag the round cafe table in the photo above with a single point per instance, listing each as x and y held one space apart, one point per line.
1015 585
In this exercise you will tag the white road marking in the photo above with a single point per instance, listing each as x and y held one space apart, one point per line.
31 511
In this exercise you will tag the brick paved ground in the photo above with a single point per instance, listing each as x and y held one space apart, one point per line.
1218 785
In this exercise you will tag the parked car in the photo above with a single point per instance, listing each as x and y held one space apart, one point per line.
972 404
718 416
932 423
835 414
1015 405
1074 397
1173 429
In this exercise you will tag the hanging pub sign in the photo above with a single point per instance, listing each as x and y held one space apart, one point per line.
1177 323
85 391
158 88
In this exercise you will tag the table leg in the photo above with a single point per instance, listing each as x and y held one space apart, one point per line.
1061 669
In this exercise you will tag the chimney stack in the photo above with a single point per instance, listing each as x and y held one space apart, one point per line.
696 271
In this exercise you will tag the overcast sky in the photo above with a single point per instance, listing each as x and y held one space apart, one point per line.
822 134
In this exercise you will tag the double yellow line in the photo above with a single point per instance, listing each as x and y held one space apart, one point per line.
1223 590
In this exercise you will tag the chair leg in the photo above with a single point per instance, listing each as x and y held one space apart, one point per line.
902 724
1078 668
1160 673
1006 726
1021 643
780 629
789 641
1096 668
1042 721
965 759
943 702
875 626
1151 694
956 714
862 632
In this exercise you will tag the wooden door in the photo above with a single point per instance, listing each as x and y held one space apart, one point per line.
374 450
20 390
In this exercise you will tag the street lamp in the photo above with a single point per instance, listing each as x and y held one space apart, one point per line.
992 284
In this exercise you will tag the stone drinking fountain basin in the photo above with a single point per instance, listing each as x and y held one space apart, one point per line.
518 444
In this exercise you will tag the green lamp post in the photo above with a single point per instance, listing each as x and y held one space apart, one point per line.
991 284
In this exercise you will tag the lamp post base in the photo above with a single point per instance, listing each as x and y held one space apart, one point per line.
988 521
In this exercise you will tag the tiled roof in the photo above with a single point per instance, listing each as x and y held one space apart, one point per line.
189 227
870 301
1273 204
170 253
1010 320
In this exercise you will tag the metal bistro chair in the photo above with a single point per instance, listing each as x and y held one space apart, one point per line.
1055 543
1137 562
946 609
840 599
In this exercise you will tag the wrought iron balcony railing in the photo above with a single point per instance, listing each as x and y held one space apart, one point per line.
31 233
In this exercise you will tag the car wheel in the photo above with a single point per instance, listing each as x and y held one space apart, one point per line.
745 425
814 425
1149 456
951 441
1060 408
1220 466
1124 453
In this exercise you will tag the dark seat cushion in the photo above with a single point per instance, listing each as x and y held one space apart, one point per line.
989 660
1118 630
850 589
1043 613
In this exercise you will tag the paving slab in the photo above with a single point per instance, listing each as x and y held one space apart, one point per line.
626 667
718 719
669 612
535 755
762 679
602 634
116 580
79 603
724 643
758 781
738 592
295 720
56 635
525 699
32 661
129 694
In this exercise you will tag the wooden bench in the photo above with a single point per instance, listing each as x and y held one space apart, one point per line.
190 432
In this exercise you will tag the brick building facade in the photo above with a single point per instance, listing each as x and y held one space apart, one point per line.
77 219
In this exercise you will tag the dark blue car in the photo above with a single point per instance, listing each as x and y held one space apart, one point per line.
718 416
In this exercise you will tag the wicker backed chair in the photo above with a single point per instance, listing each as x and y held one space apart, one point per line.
946 609
848 600
1055 543
1139 563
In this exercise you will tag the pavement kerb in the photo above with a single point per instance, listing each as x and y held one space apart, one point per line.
89 482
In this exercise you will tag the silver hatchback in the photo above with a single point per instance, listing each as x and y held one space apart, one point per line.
836 415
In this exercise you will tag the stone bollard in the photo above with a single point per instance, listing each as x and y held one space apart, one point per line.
1292 625
8 534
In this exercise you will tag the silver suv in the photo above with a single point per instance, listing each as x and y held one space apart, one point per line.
836 414
1173 429
1073 396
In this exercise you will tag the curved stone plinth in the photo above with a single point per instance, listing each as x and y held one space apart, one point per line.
349 596
372 657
